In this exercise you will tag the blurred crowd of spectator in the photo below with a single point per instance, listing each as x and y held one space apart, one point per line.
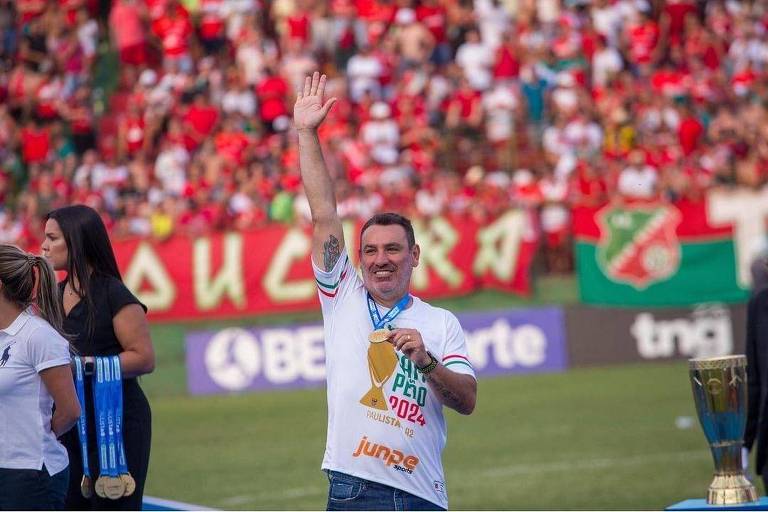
173 116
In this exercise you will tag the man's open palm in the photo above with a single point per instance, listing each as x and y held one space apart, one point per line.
309 110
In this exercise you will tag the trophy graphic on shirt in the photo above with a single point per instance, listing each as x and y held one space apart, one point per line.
382 362
720 393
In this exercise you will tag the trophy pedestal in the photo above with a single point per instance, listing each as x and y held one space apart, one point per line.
701 504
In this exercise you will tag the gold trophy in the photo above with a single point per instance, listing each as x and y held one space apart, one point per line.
382 362
720 393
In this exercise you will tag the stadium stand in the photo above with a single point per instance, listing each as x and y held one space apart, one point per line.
173 116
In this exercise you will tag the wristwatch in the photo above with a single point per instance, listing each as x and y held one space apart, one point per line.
430 367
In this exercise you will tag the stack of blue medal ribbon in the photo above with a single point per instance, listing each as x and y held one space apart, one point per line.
114 480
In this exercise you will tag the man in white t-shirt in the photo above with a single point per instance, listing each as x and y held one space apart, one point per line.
476 60
392 360
638 180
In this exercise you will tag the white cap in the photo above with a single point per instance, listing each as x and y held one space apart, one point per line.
405 15
380 110
148 78
281 123
522 177
498 178
565 79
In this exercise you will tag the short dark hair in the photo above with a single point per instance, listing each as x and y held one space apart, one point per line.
389 219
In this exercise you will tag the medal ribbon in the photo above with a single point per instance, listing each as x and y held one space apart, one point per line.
117 383
376 318
100 405
111 399
82 433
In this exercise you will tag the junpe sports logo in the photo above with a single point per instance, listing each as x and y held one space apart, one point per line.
388 455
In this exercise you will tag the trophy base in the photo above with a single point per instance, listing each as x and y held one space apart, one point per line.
699 504
374 399
731 489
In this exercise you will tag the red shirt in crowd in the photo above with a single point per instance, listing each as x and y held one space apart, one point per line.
35 144
201 119
80 118
365 8
272 92
435 19
670 82
743 80
5 181
126 25
29 9
46 99
689 132
643 39
134 133
70 8
174 30
372 10
211 22
232 146
506 65
677 11
468 99
589 40
298 26
408 107
589 187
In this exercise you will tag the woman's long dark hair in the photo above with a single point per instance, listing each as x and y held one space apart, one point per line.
90 252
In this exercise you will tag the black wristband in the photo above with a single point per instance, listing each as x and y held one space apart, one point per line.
430 367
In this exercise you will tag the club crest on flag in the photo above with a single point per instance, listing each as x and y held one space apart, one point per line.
638 244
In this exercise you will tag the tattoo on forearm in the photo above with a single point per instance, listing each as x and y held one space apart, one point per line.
450 398
331 252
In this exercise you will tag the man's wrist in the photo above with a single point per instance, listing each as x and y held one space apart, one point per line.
429 367
422 362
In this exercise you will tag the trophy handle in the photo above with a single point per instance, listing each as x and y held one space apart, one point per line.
374 398
374 380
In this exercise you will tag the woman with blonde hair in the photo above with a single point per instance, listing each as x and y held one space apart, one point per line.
35 375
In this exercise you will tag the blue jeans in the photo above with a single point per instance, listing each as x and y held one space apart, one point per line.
32 489
347 492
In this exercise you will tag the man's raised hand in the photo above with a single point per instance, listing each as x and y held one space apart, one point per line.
309 110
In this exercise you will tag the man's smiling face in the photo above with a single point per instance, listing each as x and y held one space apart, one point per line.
387 262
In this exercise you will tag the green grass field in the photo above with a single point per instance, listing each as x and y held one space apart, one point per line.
599 438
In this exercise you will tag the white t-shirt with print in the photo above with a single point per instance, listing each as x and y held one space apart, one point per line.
401 446
28 346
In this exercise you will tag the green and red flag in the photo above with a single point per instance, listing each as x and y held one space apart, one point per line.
649 254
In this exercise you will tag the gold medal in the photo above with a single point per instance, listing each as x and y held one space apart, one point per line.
86 487
130 483
99 487
379 335
114 487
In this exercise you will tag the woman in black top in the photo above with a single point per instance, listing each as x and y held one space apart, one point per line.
105 319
